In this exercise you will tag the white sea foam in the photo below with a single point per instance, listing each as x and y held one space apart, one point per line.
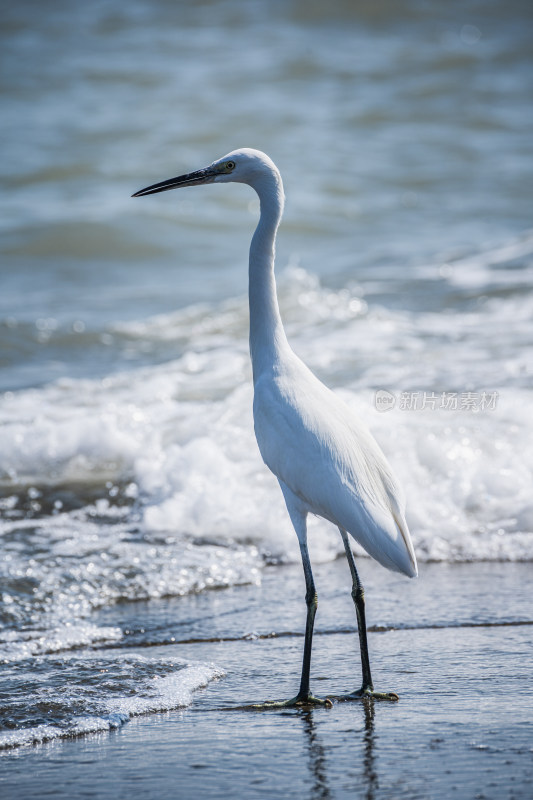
85 565
72 634
109 690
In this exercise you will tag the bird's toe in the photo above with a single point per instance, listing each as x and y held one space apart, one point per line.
366 692
296 702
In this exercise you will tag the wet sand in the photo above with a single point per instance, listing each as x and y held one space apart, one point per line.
455 645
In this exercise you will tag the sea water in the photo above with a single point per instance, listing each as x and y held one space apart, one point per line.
128 465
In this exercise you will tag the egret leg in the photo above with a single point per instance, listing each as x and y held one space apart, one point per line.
304 697
311 601
358 595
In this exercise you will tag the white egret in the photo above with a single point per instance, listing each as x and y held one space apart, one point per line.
325 459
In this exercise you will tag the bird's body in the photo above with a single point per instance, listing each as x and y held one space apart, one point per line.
325 459
331 463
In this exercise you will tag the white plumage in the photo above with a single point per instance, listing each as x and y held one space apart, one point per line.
325 459
330 462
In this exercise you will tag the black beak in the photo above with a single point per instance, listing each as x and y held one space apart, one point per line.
191 179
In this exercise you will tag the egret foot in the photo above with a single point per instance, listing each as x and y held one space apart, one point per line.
299 701
364 692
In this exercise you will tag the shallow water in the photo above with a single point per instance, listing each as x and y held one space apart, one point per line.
454 644
128 467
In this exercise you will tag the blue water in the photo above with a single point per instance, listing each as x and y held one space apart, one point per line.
403 132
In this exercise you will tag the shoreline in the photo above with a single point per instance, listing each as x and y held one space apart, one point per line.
462 727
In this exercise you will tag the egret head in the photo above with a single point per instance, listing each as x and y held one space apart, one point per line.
240 166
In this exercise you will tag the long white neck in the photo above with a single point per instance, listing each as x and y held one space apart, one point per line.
267 337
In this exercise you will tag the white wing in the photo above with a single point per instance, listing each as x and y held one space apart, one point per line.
315 444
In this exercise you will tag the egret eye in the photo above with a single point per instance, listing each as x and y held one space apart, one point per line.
230 165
